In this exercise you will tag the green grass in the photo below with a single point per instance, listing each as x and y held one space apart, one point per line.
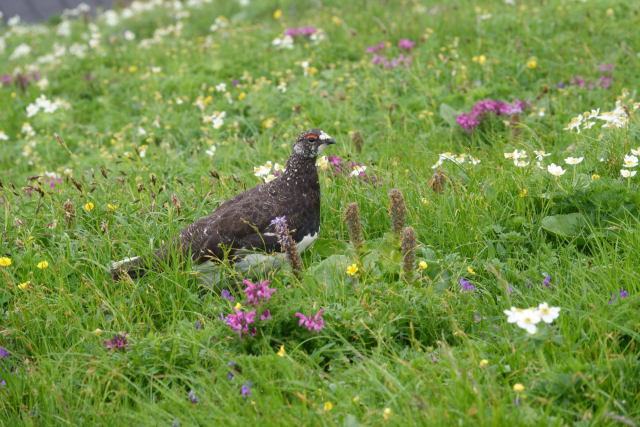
413 346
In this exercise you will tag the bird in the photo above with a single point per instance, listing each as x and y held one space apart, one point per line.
241 228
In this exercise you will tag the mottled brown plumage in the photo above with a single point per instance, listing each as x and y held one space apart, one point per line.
243 224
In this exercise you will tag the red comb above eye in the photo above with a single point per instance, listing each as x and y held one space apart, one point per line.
310 135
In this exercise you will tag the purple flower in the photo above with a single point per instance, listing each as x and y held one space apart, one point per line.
605 67
235 82
3 353
192 397
299 31
623 293
266 315
3 383
198 324
480 110
376 47
230 375
240 322
245 390
6 79
547 282
282 229
606 81
466 285
257 292
227 295
313 324
119 341
406 44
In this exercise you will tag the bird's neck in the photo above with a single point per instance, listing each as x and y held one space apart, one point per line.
301 170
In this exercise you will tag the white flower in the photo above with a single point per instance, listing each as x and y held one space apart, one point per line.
573 160
64 29
221 87
3 136
20 51
32 110
630 161
322 163
521 163
626 173
517 154
528 320
635 151
514 314
473 160
129 35
263 170
282 87
575 123
278 167
216 119
269 178
358 170
555 170
211 151
43 83
220 22
141 131
156 69
541 154
548 314
283 43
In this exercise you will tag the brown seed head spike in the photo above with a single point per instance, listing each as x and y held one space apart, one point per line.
397 211
352 218
408 251
438 181
358 140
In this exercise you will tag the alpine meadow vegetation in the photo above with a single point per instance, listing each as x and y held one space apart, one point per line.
477 261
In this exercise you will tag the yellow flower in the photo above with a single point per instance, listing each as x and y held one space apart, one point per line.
277 14
5 262
42 265
328 406
523 193
24 285
595 176
267 124
470 270
133 69
241 96
386 414
315 84
98 331
238 306
483 363
352 269
112 207
336 20
518 388
89 206
281 352
480 59
423 265
532 63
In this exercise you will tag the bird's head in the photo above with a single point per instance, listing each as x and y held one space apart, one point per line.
311 143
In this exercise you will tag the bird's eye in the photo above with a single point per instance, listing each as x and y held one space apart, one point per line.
312 138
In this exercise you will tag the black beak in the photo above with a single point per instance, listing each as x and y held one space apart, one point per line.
329 141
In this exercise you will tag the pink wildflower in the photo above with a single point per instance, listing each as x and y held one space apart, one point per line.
313 324
240 322
257 292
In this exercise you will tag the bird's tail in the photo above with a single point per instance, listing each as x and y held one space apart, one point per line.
129 266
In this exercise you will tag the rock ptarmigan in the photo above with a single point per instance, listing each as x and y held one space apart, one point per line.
241 226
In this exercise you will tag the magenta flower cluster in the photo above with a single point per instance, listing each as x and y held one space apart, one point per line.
256 294
313 324
605 80
300 31
481 110
402 59
118 342
20 80
240 321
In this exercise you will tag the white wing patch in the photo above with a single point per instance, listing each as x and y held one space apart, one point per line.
117 264
324 136
306 241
